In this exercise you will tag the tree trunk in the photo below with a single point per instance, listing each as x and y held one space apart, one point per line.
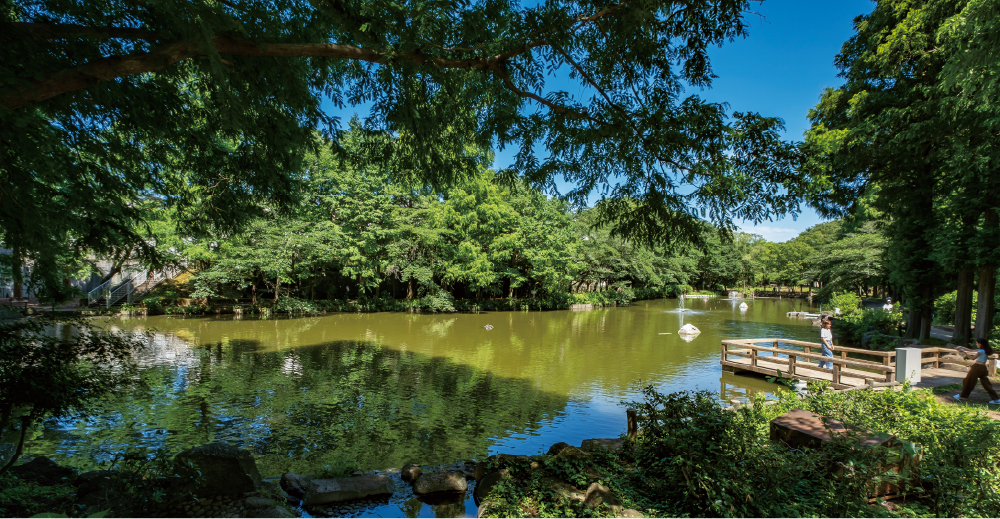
912 324
277 285
25 423
984 312
409 290
963 307
17 272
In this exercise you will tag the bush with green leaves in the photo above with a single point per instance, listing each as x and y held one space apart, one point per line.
20 498
44 372
141 484
696 459
853 326
153 304
848 303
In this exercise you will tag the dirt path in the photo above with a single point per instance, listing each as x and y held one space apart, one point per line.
978 399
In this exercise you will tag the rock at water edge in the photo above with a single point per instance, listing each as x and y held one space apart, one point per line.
294 484
452 481
567 450
225 469
410 472
43 471
321 491
487 483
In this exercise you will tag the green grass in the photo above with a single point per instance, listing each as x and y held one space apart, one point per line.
948 388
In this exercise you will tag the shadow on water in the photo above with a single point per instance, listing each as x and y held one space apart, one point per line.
333 406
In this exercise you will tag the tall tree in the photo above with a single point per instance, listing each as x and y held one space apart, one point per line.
886 132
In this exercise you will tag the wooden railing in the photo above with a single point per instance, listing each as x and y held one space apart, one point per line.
940 356
748 348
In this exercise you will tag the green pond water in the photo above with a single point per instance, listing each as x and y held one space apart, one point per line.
374 391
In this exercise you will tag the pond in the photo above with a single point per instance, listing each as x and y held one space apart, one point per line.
374 391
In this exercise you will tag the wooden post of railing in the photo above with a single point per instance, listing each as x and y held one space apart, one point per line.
991 365
724 349
753 357
633 427
836 373
870 383
808 349
791 363
937 359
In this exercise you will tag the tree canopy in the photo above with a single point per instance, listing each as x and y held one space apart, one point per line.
211 107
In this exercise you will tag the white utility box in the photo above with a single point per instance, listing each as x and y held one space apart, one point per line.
908 365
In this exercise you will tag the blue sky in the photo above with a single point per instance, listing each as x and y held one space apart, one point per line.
780 70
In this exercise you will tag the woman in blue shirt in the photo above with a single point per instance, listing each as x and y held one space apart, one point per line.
978 371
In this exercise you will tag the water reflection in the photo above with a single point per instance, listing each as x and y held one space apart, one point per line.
378 390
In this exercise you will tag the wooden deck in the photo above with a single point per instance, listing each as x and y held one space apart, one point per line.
796 359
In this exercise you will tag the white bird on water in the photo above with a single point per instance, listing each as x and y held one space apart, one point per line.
488 326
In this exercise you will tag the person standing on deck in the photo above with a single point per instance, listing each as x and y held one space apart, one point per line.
826 338
977 371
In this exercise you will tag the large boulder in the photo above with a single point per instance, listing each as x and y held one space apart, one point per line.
225 469
294 484
597 444
598 494
567 450
335 490
43 471
562 490
487 483
688 329
451 481
410 472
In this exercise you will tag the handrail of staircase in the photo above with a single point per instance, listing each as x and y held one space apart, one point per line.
96 294
143 287
138 290
126 288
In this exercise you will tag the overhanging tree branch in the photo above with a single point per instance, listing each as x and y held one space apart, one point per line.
113 67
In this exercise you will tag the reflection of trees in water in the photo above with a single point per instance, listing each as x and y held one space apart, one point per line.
440 327
342 404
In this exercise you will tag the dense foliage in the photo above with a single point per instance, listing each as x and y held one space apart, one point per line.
909 143
695 459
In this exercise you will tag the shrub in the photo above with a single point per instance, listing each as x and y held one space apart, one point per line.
25 499
848 303
154 304
853 326
294 305
736 471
